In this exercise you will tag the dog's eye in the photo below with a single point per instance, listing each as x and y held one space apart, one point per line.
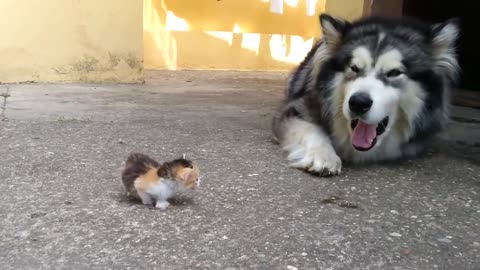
354 68
394 73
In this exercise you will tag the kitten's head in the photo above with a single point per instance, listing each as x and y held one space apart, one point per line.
186 173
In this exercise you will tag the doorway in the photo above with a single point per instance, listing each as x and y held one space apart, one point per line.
468 92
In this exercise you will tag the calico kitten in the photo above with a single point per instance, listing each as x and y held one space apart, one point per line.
149 181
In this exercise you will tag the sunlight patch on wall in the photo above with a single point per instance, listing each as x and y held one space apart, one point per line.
251 41
177 36
174 23
159 44
291 3
289 49
225 36
236 28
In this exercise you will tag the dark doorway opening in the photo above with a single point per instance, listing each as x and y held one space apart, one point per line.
468 92
466 11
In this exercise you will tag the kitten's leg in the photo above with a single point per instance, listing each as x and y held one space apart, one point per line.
309 147
162 204
146 198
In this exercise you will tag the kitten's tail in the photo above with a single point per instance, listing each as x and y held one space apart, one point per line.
139 158
133 157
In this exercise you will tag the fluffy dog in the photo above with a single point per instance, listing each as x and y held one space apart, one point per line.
371 90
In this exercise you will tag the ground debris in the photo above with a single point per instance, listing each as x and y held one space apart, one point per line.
340 202
37 215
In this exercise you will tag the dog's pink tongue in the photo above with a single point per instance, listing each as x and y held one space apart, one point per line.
363 135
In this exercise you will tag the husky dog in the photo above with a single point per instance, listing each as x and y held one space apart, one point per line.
371 90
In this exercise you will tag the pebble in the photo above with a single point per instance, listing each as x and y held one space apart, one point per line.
242 258
405 251
445 240
289 267
23 234
414 217
304 254
395 234
368 229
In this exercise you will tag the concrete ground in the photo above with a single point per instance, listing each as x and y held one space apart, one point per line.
62 204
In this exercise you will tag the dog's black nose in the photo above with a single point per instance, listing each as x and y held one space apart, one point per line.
360 103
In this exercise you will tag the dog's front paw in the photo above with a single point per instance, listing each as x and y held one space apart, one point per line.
318 160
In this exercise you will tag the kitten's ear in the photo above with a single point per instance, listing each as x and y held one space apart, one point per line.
187 175
333 29
162 170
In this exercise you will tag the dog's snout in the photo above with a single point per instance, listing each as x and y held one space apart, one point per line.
360 103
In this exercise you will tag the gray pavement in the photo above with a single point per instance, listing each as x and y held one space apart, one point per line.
62 147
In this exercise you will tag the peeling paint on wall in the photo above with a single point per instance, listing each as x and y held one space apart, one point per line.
109 68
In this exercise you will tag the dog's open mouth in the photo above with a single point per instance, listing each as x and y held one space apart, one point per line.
365 135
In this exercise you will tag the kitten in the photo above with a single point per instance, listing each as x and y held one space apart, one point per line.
149 181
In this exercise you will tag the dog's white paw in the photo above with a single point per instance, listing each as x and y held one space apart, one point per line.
319 160
162 205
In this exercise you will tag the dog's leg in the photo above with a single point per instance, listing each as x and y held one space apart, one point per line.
309 147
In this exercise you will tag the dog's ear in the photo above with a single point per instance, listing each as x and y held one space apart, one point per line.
444 38
445 34
333 29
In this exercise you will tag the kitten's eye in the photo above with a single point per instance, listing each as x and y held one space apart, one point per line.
355 68
394 73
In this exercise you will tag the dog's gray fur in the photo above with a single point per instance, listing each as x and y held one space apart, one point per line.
406 67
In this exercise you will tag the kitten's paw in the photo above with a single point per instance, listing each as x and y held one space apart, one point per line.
162 205
319 160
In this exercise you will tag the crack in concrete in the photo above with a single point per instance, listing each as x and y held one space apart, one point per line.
5 95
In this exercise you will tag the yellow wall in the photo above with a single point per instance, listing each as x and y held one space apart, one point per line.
71 40
225 34
105 41
348 9
233 34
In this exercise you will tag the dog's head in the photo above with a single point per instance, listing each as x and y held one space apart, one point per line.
387 71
